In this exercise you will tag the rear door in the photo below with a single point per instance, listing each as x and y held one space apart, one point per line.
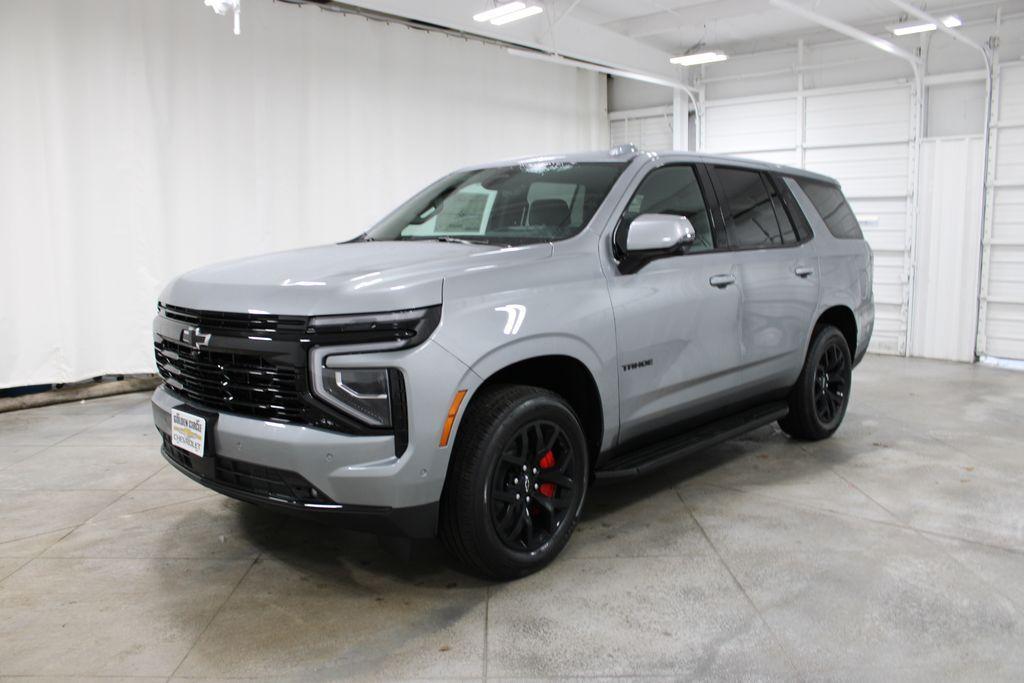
675 318
777 269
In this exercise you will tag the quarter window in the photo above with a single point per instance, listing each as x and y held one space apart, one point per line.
673 190
833 208
747 202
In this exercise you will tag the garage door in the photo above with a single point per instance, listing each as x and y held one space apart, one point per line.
1001 332
863 138
763 129
649 129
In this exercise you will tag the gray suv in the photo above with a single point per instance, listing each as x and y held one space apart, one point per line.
470 365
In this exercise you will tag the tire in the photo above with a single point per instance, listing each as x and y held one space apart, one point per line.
818 400
500 521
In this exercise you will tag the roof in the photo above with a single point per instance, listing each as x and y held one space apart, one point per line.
630 152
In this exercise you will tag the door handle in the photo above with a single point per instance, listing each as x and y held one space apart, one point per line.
722 281
803 271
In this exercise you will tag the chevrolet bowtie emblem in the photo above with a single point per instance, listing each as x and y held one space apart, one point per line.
194 337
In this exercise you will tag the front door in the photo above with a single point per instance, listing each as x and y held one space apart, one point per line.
675 319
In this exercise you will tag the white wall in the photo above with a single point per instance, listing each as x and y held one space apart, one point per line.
141 139
857 116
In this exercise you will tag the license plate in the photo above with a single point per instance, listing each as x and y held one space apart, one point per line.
188 431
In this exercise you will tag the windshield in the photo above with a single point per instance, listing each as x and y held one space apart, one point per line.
529 202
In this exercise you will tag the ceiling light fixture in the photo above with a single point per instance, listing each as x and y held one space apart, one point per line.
951 21
507 12
527 11
699 58
499 10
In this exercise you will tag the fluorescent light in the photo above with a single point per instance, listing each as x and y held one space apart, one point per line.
909 29
951 21
517 15
500 10
699 58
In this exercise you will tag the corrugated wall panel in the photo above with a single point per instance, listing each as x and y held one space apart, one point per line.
944 307
1001 333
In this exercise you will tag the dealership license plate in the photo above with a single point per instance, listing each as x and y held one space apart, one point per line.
188 431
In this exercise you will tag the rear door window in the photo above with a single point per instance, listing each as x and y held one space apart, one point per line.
748 206
830 203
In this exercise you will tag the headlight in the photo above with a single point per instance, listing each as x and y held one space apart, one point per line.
367 394
375 331
363 393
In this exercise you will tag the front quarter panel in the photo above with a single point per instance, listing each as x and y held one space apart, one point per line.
557 306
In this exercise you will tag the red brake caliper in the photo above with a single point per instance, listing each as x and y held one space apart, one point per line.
546 463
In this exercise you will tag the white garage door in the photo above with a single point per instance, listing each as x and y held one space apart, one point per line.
1001 332
649 129
763 129
862 137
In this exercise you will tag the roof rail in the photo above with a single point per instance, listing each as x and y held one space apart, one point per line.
628 148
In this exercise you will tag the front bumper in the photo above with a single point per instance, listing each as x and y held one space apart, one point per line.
370 487
419 521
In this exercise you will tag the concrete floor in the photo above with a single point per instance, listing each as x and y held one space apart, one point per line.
893 551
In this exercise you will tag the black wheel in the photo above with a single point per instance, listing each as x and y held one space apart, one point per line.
821 394
516 482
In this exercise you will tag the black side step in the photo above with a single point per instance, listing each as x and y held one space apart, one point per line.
662 453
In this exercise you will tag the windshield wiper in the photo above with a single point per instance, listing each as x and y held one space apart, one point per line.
490 242
451 240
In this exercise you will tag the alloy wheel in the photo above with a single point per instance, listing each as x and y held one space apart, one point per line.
533 488
831 383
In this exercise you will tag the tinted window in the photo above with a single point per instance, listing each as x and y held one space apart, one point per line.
747 201
830 203
674 190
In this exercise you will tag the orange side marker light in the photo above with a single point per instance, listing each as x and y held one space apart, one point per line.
449 422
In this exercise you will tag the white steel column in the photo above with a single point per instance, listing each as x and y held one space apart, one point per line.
680 121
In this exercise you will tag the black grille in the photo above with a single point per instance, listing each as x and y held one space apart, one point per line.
240 383
266 482
235 322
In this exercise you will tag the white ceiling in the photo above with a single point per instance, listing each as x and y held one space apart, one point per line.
745 26
640 35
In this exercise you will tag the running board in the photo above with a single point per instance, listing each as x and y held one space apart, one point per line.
662 453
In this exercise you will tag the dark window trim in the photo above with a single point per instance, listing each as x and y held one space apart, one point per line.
789 204
711 206
727 216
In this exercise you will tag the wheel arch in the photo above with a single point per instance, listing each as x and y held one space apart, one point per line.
569 378
842 318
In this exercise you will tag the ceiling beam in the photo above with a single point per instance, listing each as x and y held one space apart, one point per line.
570 36
955 35
847 30
696 15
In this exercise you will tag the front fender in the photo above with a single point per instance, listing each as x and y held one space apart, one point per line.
559 307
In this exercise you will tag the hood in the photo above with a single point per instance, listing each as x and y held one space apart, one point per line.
355 277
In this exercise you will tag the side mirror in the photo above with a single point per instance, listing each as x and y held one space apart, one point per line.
656 235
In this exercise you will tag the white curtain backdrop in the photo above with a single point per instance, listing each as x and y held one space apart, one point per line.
139 139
